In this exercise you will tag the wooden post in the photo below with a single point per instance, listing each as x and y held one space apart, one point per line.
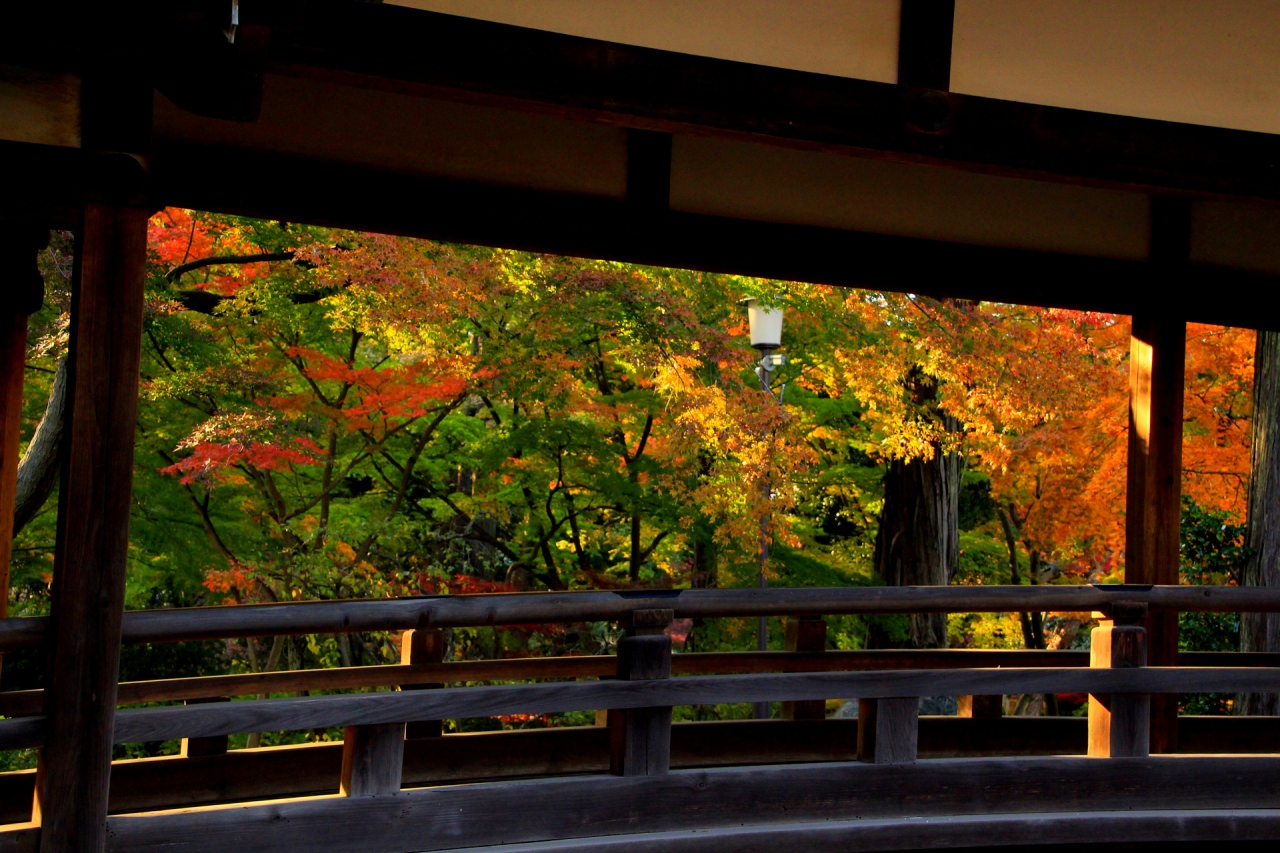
201 747
95 494
640 738
18 270
808 634
924 43
422 646
1157 366
1119 723
888 730
93 526
980 707
372 760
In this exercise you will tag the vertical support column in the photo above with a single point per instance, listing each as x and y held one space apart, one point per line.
203 747
924 43
1157 370
100 416
808 634
93 516
888 730
1119 723
640 738
420 646
372 760
18 272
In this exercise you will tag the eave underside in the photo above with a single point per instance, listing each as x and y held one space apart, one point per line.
519 138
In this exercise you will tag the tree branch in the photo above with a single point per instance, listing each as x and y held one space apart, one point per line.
220 260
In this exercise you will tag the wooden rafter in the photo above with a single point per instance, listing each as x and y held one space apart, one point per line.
517 68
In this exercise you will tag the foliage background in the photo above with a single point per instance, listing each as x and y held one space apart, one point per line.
369 416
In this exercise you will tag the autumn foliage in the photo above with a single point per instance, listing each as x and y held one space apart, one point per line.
384 411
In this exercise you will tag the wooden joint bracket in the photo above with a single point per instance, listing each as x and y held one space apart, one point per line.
372 760
888 730
1124 612
1119 723
640 622
640 738
420 646
806 634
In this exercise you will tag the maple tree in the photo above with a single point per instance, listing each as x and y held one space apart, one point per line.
331 414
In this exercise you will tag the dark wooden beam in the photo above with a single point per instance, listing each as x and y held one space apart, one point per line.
328 617
594 806
271 186
1109 832
41 182
1153 507
93 526
150 724
95 494
25 702
924 43
314 769
249 184
482 62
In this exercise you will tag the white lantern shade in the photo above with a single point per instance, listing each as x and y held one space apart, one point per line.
766 325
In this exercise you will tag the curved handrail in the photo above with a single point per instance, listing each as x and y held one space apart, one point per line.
455 611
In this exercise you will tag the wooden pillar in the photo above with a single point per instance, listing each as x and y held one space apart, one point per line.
93 527
924 43
372 760
203 747
98 437
420 646
640 738
20 275
1157 366
808 634
888 730
1119 723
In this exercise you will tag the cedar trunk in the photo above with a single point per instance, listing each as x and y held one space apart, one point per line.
918 543
1260 632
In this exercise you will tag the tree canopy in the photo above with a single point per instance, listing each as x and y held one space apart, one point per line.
331 414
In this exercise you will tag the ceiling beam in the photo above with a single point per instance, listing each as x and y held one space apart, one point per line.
278 187
410 50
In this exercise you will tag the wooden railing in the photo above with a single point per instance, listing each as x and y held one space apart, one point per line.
1175 797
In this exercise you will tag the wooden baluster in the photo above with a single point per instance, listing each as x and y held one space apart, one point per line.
372 760
980 707
640 738
1157 368
200 747
808 634
888 730
422 646
1119 723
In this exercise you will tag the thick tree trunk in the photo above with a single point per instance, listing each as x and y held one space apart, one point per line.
918 543
38 470
1260 632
